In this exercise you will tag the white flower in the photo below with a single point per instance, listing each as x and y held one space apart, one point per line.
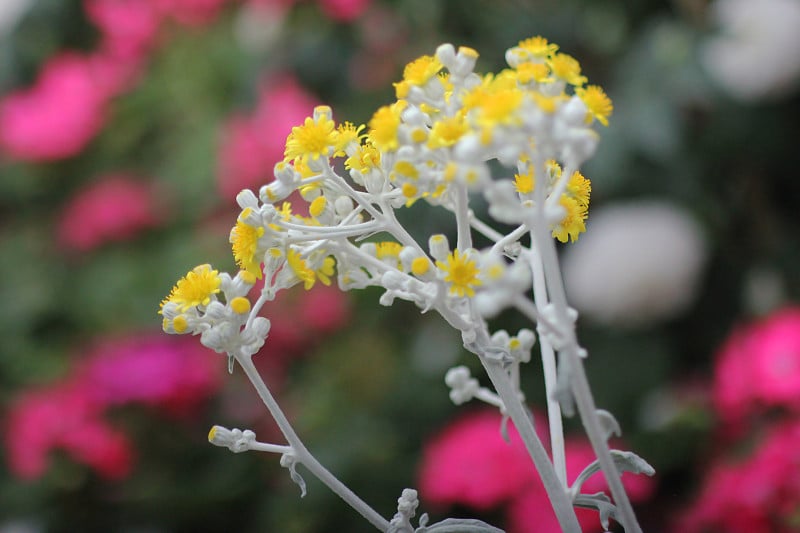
757 52
636 264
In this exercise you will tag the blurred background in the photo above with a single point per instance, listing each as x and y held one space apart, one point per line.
128 126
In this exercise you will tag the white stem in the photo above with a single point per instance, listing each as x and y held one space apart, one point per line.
562 505
512 237
270 448
579 383
302 454
549 370
462 217
484 229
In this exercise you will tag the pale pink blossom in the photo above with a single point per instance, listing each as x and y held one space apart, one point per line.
117 207
63 417
252 145
59 115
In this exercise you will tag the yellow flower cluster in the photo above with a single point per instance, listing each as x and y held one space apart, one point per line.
435 140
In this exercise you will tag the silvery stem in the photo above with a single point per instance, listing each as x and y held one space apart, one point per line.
522 421
302 454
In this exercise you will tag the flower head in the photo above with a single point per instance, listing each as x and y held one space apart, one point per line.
244 240
300 268
383 126
314 139
597 102
461 273
567 68
195 289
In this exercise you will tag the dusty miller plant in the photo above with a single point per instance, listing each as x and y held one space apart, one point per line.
439 143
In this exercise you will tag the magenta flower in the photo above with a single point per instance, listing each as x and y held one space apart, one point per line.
760 494
166 372
129 27
759 365
56 117
776 362
325 309
252 145
469 463
117 207
63 417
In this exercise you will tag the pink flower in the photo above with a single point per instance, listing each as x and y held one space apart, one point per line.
325 309
56 117
470 463
343 10
759 365
114 208
252 145
63 417
169 372
129 27
776 360
759 494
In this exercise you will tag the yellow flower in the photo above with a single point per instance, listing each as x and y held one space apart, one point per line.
524 183
405 169
597 102
346 134
317 207
447 132
244 241
196 288
566 68
461 272
579 188
388 249
325 271
538 46
499 107
300 268
422 69
538 72
573 222
365 158
383 126
313 139
420 266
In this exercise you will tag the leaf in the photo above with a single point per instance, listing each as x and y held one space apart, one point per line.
459 525
598 501
290 462
609 423
624 461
